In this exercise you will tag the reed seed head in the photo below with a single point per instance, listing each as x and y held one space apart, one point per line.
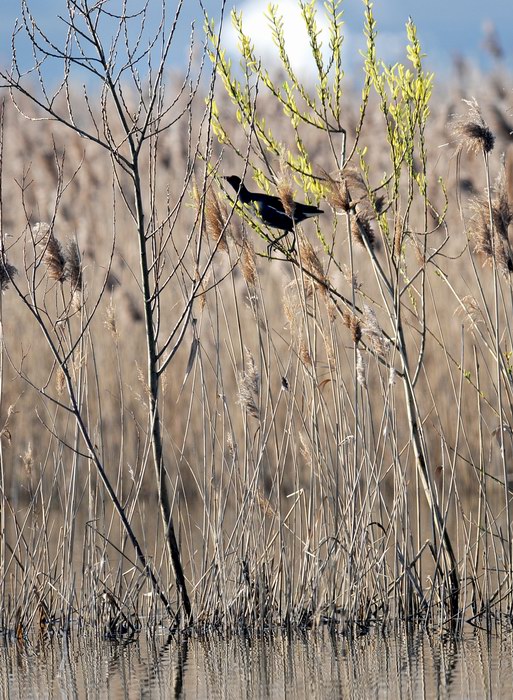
230 444
508 174
73 273
284 189
7 272
361 368
345 188
311 264
361 230
27 459
215 219
249 386
501 205
471 308
53 256
73 265
338 194
60 381
304 353
490 233
292 307
110 320
351 321
491 42
248 263
377 341
472 130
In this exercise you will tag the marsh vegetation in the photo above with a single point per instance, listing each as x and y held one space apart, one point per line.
206 426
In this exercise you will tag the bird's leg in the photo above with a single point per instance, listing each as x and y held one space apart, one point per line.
284 235
292 248
272 244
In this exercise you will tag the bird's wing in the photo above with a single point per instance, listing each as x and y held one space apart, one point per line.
272 216
270 202
309 209
302 211
306 214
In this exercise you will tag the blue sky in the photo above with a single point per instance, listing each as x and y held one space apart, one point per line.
445 27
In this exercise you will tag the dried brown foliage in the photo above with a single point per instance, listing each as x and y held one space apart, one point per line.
352 322
361 230
248 263
489 224
216 219
249 386
52 253
312 264
7 272
285 190
472 130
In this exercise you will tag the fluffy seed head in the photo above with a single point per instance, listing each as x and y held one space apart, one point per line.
73 265
351 321
285 191
490 238
376 339
311 263
473 132
345 188
361 367
248 263
52 256
337 193
27 459
110 320
361 230
304 353
60 381
73 273
215 219
291 306
7 272
249 386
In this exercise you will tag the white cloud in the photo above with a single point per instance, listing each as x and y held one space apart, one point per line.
391 46
256 26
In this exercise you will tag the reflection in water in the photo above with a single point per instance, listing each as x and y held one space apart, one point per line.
414 665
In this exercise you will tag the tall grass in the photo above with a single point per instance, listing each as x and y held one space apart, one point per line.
323 421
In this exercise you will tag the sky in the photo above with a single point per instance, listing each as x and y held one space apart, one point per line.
446 28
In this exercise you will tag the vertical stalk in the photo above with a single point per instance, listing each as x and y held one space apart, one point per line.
423 471
3 534
497 350
153 383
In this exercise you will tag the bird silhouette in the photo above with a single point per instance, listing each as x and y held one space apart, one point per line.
270 209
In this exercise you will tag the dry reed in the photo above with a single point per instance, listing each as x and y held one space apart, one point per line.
309 512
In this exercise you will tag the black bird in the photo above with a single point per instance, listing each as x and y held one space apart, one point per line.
269 209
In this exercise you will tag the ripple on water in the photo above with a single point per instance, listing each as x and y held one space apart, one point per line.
310 666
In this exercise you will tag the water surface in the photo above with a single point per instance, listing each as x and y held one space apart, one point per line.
313 666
